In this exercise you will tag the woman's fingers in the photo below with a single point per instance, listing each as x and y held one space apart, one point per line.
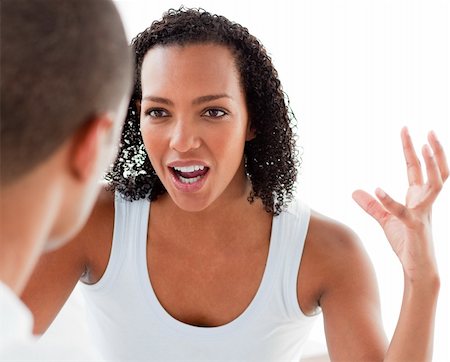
433 172
381 210
439 155
397 209
437 170
412 161
371 206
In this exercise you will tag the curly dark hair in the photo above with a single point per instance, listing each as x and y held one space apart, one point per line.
271 158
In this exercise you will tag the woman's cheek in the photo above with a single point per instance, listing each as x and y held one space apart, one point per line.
148 133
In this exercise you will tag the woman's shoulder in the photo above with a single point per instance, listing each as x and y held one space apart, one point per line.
324 234
334 256
331 236
105 197
102 212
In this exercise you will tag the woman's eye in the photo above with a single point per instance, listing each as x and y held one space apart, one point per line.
214 113
157 113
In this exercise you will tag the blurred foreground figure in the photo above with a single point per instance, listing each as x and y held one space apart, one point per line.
66 75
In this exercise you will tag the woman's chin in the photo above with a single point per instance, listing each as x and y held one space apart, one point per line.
190 202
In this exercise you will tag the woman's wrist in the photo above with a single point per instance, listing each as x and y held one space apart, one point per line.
423 283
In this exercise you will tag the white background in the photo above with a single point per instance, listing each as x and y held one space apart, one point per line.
356 71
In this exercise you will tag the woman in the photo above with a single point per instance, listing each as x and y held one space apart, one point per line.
207 257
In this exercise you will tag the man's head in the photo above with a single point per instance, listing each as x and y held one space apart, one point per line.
66 73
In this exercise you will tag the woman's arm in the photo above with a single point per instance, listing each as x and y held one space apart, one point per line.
335 261
58 272
408 229
336 274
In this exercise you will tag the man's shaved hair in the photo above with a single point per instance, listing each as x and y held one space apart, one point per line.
62 63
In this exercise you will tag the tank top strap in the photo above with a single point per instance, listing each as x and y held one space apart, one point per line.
294 224
128 220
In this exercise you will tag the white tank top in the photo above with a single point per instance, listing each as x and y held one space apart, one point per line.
127 321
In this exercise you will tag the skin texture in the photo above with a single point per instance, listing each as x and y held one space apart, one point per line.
221 235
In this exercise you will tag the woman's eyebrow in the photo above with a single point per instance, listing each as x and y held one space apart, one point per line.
158 100
208 98
196 101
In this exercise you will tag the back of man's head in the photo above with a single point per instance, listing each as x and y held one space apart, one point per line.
62 63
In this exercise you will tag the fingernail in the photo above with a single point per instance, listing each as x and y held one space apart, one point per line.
427 150
380 193
433 135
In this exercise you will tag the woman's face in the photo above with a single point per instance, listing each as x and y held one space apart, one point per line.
194 122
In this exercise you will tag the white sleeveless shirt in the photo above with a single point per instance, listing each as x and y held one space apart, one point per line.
128 323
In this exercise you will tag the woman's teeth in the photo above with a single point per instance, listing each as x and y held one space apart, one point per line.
190 174
189 168
188 180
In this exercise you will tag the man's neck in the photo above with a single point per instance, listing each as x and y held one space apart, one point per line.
27 212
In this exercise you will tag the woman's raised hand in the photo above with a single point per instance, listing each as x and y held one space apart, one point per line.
408 227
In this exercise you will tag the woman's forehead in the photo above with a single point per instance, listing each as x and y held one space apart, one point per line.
193 66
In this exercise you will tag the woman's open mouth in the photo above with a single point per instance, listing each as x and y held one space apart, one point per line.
189 178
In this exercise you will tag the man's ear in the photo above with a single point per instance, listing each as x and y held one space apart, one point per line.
87 146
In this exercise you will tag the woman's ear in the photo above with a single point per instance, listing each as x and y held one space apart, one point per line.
90 145
251 134
138 106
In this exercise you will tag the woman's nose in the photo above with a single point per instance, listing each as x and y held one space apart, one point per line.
184 136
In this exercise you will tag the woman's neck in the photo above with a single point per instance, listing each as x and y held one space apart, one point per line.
223 221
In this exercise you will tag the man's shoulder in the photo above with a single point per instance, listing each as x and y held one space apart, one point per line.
17 321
